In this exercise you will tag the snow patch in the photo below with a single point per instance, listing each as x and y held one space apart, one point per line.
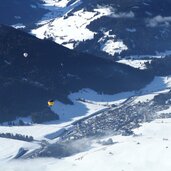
110 44
113 47
135 63
19 26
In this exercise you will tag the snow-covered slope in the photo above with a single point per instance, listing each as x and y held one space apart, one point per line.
141 64
54 76
113 28
87 101
148 150
95 104
141 150
9 148
76 24
103 28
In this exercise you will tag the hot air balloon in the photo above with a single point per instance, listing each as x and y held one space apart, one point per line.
25 55
51 103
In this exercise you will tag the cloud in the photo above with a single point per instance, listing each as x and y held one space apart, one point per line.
158 21
50 163
123 15
112 12
24 165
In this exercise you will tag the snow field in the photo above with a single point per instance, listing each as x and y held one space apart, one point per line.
148 150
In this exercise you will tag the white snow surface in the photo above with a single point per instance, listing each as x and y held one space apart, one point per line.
158 84
155 135
148 150
147 97
113 47
87 102
19 26
38 131
110 44
58 3
135 63
68 30
9 148
165 111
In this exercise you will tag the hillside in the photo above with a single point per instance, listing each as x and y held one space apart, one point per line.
109 28
51 71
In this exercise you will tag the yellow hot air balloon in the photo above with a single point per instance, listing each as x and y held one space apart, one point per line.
51 103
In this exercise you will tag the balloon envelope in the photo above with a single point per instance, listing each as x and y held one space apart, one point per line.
25 55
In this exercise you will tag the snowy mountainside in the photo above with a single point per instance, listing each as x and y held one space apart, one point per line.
149 143
47 72
75 24
142 106
106 29
119 28
142 152
112 115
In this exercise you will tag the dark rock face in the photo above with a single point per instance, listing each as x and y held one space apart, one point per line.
51 71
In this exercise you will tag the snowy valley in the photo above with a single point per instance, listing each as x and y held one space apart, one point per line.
104 65
118 149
